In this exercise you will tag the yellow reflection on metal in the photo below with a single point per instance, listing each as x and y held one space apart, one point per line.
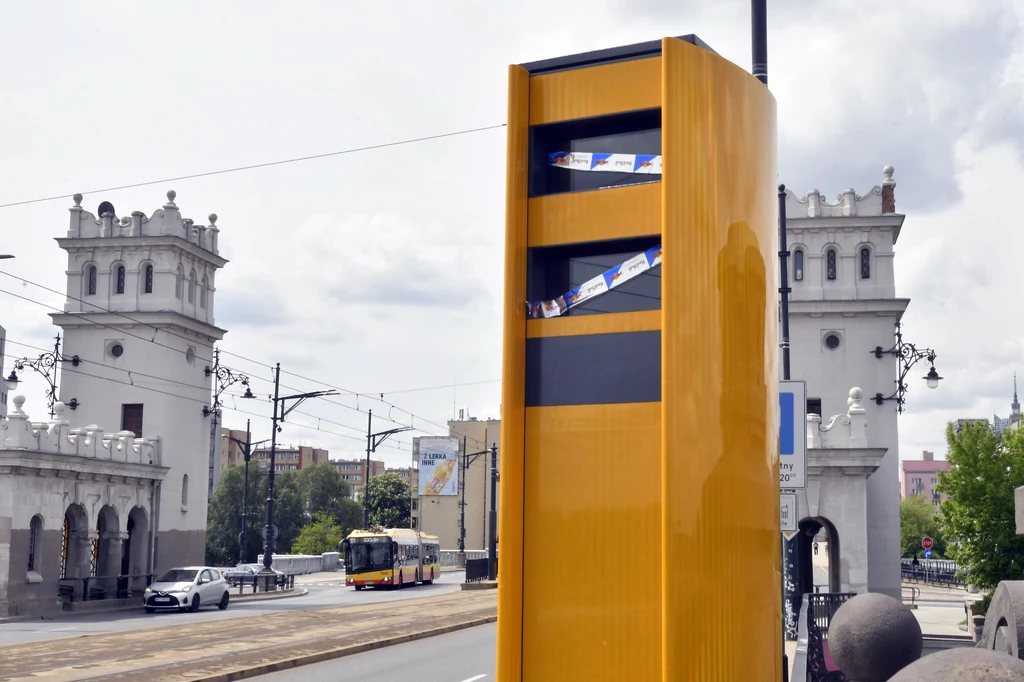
510 518
633 211
596 91
591 587
719 476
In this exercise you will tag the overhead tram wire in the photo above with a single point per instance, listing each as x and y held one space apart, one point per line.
299 425
156 330
442 387
266 164
136 373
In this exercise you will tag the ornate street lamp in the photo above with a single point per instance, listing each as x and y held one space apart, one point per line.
46 366
907 355
224 378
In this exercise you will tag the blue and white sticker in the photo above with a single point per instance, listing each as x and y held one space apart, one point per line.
646 164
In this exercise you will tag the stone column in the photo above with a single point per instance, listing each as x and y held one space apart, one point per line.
108 564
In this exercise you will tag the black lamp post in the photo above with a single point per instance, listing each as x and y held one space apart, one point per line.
224 378
372 441
907 355
247 447
44 365
280 412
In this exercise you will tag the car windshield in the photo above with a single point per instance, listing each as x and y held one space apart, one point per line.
367 556
177 575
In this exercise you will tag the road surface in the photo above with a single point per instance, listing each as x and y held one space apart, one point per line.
319 597
463 656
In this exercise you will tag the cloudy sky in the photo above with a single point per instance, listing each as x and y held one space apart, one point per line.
380 272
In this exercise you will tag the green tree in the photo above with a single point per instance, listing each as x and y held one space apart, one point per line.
978 517
224 514
918 520
323 489
224 517
390 501
322 535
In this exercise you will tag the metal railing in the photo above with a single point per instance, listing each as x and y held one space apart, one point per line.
931 571
820 610
915 593
282 582
476 569
94 588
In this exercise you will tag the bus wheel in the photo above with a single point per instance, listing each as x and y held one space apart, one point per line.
359 587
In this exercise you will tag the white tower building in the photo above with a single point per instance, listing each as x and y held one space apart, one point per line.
843 306
140 315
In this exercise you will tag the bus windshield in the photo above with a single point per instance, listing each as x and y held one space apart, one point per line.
363 556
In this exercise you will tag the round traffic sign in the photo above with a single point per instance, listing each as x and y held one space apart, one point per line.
926 543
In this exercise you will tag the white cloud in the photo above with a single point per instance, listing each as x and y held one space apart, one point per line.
382 270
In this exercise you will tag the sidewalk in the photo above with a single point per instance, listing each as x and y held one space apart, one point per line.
237 648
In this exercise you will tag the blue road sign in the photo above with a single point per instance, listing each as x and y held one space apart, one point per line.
927 554
792 435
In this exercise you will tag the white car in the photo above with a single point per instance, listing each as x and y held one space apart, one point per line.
187 589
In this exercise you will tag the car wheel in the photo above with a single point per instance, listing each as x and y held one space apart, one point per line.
223 601
195 603
150 609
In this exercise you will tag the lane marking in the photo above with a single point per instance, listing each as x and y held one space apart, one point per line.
62 629
474 679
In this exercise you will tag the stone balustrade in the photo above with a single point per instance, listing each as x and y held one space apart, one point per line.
843 430
18 432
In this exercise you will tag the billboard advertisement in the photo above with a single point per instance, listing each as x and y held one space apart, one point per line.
439 466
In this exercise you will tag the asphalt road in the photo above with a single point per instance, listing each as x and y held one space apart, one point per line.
463 656
319 597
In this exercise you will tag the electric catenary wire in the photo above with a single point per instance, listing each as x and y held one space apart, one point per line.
134 373
156 330
267 164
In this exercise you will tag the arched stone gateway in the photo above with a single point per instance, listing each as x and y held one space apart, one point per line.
76 491
810 533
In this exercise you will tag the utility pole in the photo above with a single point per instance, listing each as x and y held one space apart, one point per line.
466 463
245 494
462 505
372 441
492 545
280 412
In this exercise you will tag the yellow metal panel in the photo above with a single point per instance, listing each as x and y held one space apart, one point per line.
513 388
720 480
617 213
592 589
610 323
595 91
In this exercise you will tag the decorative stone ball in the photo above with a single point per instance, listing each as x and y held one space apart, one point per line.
963 664
873 636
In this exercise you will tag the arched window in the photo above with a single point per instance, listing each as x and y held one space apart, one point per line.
830 264
179 283
35 542
148 279
798 265
91 285
120 275
192 287
202 292
184 490
865 263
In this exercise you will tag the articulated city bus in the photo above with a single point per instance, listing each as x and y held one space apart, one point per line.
390 557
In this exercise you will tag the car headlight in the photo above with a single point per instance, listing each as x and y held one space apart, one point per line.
188 588
148 590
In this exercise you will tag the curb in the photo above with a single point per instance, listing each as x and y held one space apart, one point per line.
289 663
248 598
